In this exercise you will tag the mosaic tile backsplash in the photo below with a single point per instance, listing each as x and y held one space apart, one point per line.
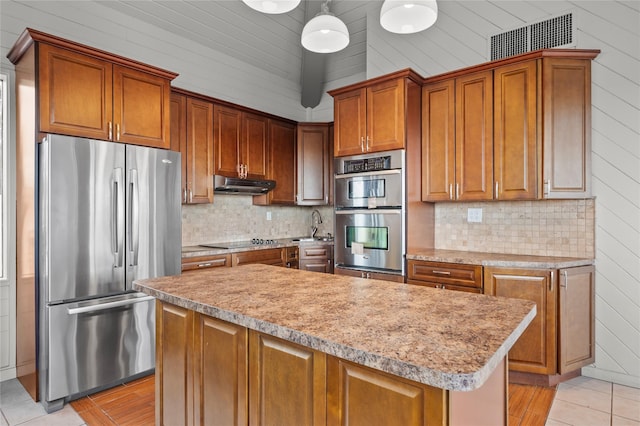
234 218
542 228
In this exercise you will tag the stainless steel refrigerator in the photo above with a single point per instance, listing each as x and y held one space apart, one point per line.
108 214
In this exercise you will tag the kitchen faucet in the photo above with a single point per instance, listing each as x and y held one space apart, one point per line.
316 220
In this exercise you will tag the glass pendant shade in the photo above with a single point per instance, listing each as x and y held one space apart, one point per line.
408 16
325 33
272 6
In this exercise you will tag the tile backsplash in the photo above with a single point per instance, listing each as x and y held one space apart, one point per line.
235 218
544 228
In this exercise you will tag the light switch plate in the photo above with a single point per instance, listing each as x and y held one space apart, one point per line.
474 215
268 215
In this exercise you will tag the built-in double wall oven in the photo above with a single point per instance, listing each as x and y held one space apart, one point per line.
370 212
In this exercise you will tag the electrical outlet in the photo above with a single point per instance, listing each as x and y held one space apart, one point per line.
474 215
268 215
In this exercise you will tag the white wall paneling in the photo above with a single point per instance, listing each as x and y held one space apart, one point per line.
231 64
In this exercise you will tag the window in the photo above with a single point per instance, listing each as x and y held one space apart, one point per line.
3 175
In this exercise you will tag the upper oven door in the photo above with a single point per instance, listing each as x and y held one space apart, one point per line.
369 239
369 189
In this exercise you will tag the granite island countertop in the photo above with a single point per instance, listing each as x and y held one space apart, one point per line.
497 259
450 340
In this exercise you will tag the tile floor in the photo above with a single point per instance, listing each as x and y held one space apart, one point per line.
582 401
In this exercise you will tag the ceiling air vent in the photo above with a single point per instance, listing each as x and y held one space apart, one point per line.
553 32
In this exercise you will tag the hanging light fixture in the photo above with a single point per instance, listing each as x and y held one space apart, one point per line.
325 33
272 6
408 16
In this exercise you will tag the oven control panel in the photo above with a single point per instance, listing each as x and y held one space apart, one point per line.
388 160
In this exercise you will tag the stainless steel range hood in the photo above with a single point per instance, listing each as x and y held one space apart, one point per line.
227 185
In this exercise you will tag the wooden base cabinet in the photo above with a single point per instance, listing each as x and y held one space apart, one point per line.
211 372
561 338
287 382
316 258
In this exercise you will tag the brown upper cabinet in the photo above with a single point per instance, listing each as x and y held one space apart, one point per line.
240 143
457 147
314 164
371 116
282 164
514 129
192 136
86 92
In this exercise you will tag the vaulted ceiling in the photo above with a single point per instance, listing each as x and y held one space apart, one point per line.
269 42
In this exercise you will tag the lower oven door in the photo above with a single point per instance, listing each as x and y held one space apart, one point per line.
370 239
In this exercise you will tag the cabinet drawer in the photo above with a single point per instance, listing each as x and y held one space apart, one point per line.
477 290
205 262
264 256
444 274
315 252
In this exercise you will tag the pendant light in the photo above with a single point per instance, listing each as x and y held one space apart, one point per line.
325 33
272 6
408 16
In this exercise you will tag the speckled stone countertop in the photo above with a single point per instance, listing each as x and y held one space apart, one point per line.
447 339
195 251
497 259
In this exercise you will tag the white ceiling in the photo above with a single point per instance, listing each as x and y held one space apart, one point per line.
270 42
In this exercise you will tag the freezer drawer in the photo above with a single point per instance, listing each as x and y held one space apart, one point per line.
98 342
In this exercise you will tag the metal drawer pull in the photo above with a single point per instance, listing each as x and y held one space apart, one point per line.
108 305
204 265
441 272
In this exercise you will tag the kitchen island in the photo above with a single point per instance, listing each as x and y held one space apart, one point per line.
269 345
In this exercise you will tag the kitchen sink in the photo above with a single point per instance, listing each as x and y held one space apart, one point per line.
307 239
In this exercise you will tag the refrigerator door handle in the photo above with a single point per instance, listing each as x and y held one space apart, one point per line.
117 217
108 305
134 217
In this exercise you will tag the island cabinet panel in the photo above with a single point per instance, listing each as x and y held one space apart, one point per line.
83 95
358 395
287 382
535 351
220 366
449 276
174 378
576 318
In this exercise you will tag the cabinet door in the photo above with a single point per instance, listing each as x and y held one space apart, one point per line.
227 126
178 136
576 318
282 164
254 145
567 128
314 158
386 124
350 122
287 383
438 141
174 379
515 137
75 93
474 136
220 368
199 151
536 350
358 395
141 112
